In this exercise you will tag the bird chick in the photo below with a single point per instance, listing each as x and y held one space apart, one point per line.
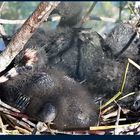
49 95
123 41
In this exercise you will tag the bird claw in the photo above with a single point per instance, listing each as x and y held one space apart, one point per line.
21 101
49 128
41 126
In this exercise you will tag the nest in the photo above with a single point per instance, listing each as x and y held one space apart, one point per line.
113 118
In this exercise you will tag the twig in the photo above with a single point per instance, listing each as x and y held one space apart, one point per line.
107 109
120 10
131 8
15 114
124 77
116 132
21 21
112 114
113 126
16 122
125 96
21 130
7 21
134 63
87 14
2 31
105 19
120 120
111 100
8 107
37 128
1 125
28 122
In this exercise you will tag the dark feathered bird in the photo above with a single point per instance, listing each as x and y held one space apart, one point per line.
49 95
86 56
123 43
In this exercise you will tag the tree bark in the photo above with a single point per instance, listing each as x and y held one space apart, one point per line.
23 35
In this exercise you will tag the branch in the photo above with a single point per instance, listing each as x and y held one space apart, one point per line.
106 19
87 14
23 35
7 21
2 31
21 21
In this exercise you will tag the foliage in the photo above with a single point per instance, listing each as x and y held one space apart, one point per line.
21 10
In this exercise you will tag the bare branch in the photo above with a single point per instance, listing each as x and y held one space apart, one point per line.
116 131
106 19
87 14
7 21
23 35
2 31
8 107
21 21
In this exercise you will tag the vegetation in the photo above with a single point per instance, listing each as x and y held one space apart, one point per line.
110 9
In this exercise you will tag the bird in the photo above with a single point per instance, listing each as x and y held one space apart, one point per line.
96 62
88 58
84 55
123 43
49 95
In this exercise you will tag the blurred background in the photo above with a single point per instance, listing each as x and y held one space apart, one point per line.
104 16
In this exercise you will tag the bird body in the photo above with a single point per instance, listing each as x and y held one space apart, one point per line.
51 96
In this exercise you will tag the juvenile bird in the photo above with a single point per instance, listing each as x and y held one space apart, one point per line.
49 95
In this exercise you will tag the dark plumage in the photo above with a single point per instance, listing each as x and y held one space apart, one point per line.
123 43
51 96
85 56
